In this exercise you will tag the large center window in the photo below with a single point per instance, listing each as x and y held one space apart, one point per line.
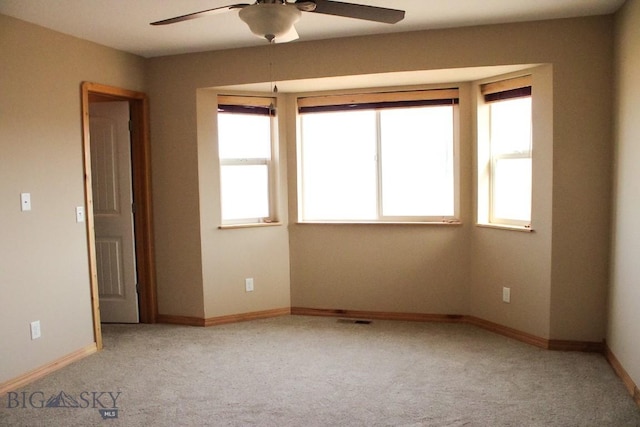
384 157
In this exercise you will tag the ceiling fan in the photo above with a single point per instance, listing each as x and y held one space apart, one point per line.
274 19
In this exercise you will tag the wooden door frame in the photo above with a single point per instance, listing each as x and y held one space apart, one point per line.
141 182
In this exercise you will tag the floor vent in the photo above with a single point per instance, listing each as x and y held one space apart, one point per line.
355 321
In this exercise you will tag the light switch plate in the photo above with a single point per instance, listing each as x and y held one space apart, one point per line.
506 295
80 214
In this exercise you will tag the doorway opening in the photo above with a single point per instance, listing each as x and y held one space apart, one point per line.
139 182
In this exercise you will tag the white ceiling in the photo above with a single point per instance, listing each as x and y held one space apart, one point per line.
124 24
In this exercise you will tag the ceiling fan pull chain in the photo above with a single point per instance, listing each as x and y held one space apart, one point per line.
274 86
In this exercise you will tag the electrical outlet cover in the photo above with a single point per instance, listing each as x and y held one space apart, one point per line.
35 330
25 201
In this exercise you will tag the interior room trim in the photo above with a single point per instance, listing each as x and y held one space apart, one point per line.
377 315
141 181
630 385
220 320
548 344
47 369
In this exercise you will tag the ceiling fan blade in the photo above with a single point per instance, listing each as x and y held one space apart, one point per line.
290 36
196 15
358 11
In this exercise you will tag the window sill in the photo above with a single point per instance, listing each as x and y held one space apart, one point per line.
520 228
252 225
450 222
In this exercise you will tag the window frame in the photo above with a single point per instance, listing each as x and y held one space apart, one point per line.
493 218
252 105
379 101
490 93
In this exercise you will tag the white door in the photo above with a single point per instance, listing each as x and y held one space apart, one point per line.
112 210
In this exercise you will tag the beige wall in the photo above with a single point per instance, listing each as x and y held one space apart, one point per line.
43 253
558 274
201 268
582 185
176 199
624 294
519 260
390 268
231 255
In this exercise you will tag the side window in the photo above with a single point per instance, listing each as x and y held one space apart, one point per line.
246 150
509 153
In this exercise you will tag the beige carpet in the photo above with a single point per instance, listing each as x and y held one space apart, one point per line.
306 371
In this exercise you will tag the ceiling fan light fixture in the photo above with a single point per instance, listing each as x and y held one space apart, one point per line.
270 21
